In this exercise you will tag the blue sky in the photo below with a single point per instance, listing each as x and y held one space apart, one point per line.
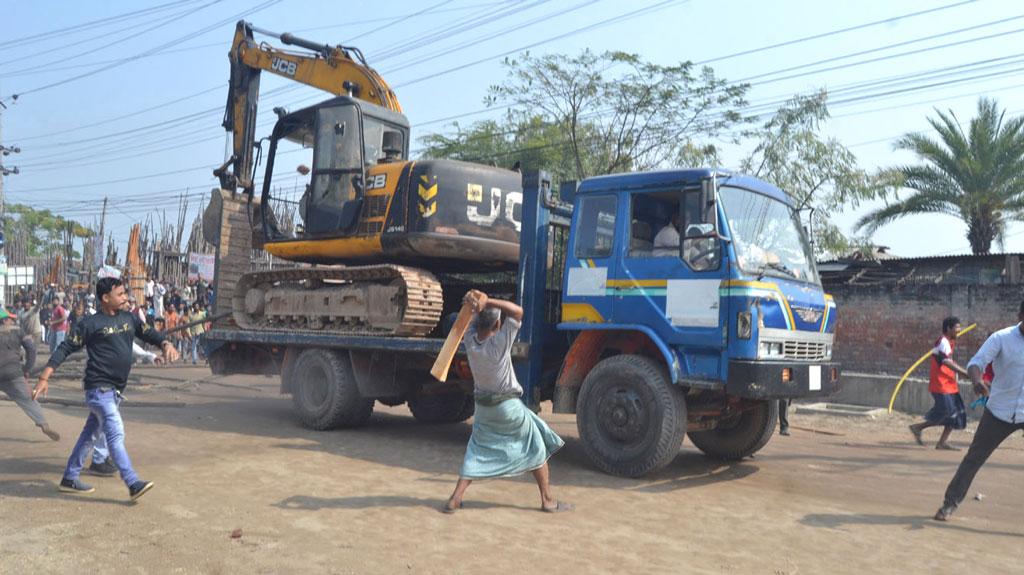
170 95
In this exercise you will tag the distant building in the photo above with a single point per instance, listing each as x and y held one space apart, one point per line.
885 269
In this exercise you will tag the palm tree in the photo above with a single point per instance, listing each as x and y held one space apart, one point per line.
977 176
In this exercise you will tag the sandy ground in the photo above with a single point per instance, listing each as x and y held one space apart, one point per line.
231 457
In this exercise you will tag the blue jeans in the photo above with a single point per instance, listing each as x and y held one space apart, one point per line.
58 338
195 349
100 453
103 414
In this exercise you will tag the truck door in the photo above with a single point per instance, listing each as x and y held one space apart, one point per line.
670 274
336 190
591 261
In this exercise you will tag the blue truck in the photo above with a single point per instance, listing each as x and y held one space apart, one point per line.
658 305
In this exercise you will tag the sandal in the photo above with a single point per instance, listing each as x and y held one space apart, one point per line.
559 507
917 435
946 447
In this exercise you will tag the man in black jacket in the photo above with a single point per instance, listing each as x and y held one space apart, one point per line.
14 374
108 337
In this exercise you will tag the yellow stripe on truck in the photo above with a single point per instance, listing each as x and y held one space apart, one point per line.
580 313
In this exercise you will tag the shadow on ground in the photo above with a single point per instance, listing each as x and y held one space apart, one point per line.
309 503
910 522
40 489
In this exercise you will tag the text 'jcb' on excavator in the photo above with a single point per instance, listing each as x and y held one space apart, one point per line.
365 203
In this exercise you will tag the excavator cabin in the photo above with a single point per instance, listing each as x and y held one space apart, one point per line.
364 202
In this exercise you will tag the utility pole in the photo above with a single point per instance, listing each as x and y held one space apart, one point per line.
4 171
102 249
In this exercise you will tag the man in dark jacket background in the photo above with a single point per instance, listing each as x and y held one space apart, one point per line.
14 374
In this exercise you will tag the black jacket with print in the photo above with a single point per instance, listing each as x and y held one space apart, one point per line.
108 338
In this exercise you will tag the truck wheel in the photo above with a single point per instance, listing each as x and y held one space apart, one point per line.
739 436
324 391
630 417
442 408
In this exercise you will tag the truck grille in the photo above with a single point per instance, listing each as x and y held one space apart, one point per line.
807 350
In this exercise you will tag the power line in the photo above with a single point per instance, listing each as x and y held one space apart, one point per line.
871 60
488 37
50 69
193 116
614 20
123 116
834 32
26 40
154 50
166 22
926 86
402 19
474 21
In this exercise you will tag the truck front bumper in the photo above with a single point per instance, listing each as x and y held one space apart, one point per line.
771 380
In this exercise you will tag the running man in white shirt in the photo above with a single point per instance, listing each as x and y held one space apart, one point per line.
1004 411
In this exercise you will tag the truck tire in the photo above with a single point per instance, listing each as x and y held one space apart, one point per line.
324 391
630 417
740 436
442 408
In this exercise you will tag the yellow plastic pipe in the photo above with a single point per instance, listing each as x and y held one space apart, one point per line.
896 391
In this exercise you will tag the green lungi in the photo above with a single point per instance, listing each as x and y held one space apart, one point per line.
508 439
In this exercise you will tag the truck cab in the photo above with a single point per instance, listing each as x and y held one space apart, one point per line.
703 281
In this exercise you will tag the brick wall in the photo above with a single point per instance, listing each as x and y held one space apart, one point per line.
885 329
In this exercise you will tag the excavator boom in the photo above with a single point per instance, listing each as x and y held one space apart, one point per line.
339 70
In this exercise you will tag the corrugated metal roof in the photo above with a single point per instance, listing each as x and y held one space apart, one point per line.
895 259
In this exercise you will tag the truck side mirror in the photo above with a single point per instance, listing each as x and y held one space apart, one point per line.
709 203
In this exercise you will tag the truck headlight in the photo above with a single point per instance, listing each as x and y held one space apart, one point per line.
744 325
770 349
828 351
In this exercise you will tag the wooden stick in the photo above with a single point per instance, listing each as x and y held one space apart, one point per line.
451 344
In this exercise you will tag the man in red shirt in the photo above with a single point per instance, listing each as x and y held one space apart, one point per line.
58 323
948 410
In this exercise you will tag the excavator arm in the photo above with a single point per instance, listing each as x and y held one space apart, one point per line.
340 70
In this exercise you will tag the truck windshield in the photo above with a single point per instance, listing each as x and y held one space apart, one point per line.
767 236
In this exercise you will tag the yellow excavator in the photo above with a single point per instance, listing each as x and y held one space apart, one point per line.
384 222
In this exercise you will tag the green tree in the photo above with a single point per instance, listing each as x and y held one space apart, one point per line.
819 173
43 230
977 175
596 114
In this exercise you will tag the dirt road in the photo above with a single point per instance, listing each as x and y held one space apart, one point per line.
229 456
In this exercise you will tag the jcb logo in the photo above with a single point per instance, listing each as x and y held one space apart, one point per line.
283 66
377 182
495 199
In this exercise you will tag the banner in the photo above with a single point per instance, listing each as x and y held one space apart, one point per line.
201 266
108 272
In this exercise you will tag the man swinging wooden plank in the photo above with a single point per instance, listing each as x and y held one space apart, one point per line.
508 438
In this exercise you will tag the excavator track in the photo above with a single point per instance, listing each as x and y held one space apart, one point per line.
379 300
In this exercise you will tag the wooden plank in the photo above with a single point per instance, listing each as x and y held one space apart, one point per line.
451 344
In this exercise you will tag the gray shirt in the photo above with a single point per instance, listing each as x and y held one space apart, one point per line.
1004 349
491 360
29 321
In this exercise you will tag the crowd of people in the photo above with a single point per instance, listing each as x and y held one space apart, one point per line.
50 314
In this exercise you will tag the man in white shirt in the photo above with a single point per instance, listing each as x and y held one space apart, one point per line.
159 291
1004 410
666 242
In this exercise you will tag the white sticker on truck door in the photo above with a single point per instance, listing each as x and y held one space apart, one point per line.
692 303
587 281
